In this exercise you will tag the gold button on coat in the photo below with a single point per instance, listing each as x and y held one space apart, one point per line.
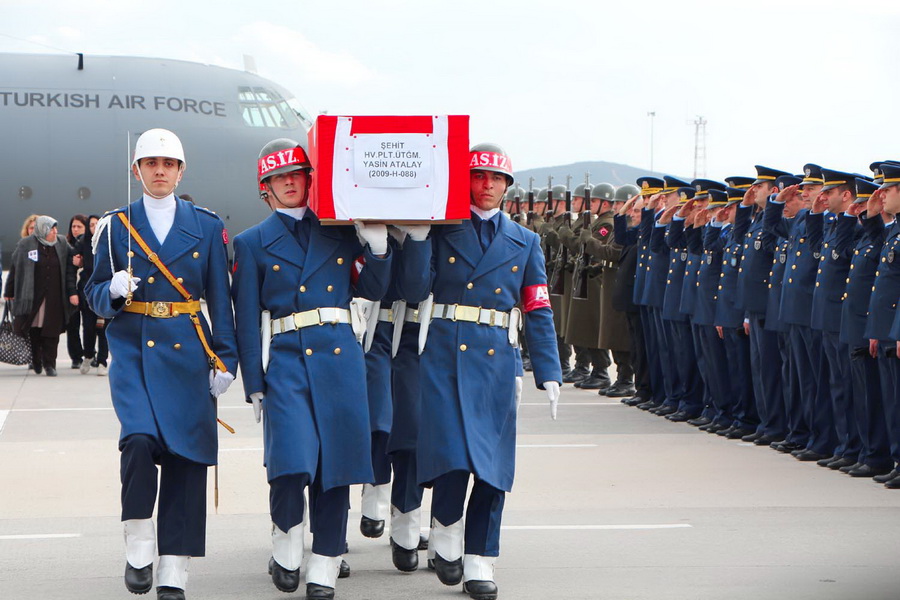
337 350
491 352
470 285
463 347
180 280
451 260
196 255
177 346
340 261
309 351
150 279
515 268
497 291
302 288
330 288
276 267
151 343
130 254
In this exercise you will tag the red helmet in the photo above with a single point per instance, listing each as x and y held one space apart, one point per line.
491 157
281 156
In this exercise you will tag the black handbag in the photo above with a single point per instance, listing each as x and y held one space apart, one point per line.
14 349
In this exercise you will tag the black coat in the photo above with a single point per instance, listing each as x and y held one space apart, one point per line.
623 292
53 281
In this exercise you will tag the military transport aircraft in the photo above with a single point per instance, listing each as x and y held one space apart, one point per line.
68 124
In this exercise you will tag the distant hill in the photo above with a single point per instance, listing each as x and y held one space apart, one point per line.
601 171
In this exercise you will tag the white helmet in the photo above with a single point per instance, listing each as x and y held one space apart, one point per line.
158 142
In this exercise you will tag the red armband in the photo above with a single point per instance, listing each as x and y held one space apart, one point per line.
535 296
356 268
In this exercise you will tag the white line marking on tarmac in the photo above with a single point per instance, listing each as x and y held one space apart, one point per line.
594 527
573 404
556 445
40 536
3 415
73 408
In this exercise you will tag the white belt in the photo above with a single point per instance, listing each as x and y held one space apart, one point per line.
308 318
386 315
412 315
472 314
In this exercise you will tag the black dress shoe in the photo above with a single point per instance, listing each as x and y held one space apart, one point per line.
700 421
887 476
371 528
752 437
449 572
768 440
594 383
76 364
844 465
893 484
480 590
785 446
344 571
827 461
284 580
51 371
867 471
38 368
314 591
430 563
405 560
169 593
577 374
620 389
680 417
665 409
633 401
138 581
648 405
737 433
423 542
723 431
808 456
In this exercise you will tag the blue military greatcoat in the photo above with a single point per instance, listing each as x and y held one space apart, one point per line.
316 410
159 378
467 369
756 262
886 289
708 278
834 265
676 254
863 265
694 239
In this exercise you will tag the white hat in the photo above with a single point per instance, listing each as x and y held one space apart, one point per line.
158 142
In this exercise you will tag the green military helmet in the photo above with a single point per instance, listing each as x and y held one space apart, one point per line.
559 191
516 191
626 192
582 190
540 195
604 191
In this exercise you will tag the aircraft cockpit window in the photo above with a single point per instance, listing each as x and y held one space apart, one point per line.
261 107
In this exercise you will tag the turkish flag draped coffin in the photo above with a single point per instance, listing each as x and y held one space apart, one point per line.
390 168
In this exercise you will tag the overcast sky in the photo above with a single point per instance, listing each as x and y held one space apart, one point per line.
780 83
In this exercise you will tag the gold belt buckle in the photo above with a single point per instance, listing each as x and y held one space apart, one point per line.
492 322
467 313
160 310
307 318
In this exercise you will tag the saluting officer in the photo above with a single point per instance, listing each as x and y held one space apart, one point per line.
882 327
840 234
305 368
153 262
477 272
875 455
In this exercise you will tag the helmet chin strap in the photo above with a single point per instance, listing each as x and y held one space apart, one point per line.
147 191
271 191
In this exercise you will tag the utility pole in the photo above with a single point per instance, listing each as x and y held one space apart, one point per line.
651 114
699 147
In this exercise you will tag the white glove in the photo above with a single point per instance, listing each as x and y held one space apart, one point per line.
552 389
119 284
256 399
219 382
373 234
417 233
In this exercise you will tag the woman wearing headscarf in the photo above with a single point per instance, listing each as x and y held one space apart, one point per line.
78 225
41 287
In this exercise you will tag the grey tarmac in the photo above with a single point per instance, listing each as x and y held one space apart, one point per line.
609 503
